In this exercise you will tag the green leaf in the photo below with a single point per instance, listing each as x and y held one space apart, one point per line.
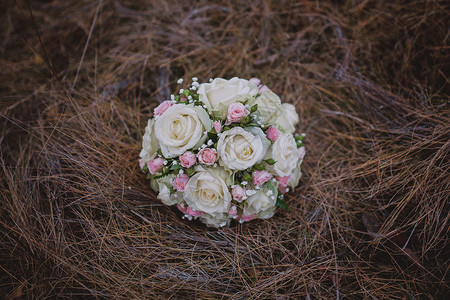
245 120
172 190
160 176
186 93
271 187
175 167
212 136
299 144
177 98
190 171
300 138
226 128
281 203
247 177
253 108
259 167
270 161
145 169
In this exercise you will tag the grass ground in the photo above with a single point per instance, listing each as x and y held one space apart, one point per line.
369 79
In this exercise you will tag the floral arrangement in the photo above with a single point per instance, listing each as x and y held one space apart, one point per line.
223 150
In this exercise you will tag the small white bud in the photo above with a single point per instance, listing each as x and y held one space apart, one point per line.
180 81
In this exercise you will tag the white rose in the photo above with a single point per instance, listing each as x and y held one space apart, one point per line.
150 143
162 187
297 173
207 191
215 221
165 196
221 93
261 204
284 151
287 118
181 127
269 104
241 148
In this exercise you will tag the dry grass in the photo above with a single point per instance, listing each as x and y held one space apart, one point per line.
369 220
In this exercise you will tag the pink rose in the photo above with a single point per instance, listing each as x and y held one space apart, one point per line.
141 163
155 165
207 156
263 88
235 112
160 109
272 133
188 159
193 212
255 81
217 126
180 182
283 180
260 177
238 193
283 189
247 218
233 211
182 209
189 211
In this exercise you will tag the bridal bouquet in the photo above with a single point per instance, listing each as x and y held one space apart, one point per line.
223 150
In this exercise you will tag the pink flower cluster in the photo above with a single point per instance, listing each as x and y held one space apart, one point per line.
261 87
238 193
235 112
272 133
261 177
207 156
155 165
188 159
160 109
189 211
179 183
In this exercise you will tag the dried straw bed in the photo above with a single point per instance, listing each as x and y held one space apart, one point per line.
79 79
